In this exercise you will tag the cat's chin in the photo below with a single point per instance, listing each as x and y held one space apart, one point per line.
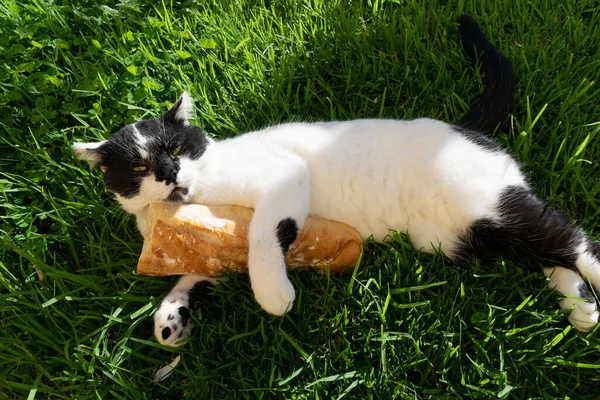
178 195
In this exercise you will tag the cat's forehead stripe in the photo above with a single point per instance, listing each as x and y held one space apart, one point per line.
140 141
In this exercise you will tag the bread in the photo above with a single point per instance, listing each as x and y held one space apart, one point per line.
197 239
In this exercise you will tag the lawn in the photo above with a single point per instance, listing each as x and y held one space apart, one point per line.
75 318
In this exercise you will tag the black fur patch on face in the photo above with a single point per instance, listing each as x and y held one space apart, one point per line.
479 139
165 135
526 227
199 294
287 231
120 157
166 140
166 168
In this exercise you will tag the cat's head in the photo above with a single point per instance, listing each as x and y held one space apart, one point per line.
141 163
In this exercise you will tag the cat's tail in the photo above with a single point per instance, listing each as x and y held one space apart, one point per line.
498 81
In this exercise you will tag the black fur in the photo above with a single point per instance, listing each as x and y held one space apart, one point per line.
594 248
498 82
586 294
199 294
184 314
177 194
166 169
166 332
196 297
120 154
287 231
484 141
528 228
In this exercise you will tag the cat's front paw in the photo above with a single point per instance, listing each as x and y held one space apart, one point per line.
171 321
275 295
584 316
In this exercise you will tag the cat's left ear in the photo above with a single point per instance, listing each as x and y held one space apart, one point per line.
182 111
90 152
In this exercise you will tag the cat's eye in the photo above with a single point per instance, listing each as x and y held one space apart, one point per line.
140 168
176 150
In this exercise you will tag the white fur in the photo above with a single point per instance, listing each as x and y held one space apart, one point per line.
584 315
419 177
149 189
177 297
140 219
269 178
86 152
588 265
185 112
141 142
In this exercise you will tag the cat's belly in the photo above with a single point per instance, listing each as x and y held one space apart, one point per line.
434 212
432 221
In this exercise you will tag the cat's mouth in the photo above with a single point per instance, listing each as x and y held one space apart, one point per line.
178 195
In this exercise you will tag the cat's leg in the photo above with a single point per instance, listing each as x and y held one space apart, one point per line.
585 313
578 297
524 226
279 214
171 320
588 261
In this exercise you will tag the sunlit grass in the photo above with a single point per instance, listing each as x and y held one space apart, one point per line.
75 319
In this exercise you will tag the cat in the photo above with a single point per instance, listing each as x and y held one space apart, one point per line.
449 186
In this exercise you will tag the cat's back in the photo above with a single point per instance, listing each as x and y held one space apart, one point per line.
412 145
354 135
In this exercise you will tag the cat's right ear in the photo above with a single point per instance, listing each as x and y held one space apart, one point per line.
182 111
90 152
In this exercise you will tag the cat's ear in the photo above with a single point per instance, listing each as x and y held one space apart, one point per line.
182 111
89 152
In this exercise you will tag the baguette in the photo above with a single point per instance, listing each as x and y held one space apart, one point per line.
207 240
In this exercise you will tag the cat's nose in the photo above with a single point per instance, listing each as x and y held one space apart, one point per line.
167 177
167 172
170 178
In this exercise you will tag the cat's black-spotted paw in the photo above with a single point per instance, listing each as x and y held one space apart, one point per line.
171 323
172 319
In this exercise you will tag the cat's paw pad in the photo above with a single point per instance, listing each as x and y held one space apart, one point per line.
171 321
274 296
584 316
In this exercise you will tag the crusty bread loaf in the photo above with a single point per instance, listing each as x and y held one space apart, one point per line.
196 239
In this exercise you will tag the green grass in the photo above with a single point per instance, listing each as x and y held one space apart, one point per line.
76 320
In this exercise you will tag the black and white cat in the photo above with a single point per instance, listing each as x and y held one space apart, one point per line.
448 186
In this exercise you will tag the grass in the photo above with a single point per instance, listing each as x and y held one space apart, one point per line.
76 320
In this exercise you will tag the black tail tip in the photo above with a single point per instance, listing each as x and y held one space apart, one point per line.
467 25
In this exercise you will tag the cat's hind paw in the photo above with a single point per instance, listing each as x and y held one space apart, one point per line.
584 316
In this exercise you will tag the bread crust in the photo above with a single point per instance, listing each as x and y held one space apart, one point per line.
207 240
